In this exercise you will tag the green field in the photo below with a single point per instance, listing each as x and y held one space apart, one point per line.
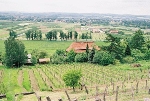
49 46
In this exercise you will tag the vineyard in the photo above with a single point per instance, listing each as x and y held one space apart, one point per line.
99 80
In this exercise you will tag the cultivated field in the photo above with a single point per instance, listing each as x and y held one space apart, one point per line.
49 78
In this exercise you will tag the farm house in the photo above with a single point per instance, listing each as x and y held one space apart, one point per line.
80 47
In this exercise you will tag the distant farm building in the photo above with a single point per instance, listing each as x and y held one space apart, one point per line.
113 32
44 60
80 47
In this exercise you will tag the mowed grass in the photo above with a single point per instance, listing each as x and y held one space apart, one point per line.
48 46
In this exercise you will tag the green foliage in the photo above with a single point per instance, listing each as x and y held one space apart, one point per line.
137 54
127 51
39 53
51 35
42 54
114 48
60 52
128 59
15 52
3 88
75 35
58 57
103 58
137 41
12 34
72 77
33 60
91 55
147 55
26 82
10 96
71 56
34 34
81 57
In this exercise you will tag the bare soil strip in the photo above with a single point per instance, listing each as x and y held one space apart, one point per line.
46 79
34 83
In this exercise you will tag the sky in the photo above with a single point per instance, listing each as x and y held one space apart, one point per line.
134 7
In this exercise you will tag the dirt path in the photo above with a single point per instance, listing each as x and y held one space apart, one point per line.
20 79
33 81
46 79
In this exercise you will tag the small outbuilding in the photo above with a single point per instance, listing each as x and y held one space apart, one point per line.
44 60
80 47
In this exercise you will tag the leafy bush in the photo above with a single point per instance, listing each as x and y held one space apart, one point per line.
128 59
42 54
72 77
70 56
3 88
103 58
58 57
33 60
81 57
147 55
10 96
60 52
39 54
137 55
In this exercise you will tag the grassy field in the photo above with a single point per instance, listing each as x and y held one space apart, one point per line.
49 46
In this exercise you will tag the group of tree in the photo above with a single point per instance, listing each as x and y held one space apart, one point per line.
86 36
132 49
34 35
15 54
52 35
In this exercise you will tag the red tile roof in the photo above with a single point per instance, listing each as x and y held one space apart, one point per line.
80 47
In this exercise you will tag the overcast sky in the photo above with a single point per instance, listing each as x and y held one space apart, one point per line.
136 7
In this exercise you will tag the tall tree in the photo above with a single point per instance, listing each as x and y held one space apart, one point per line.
72 77
61 34
75 35
28 34
137 41
40 34
114 48
127 51
70 34
12 34
15 52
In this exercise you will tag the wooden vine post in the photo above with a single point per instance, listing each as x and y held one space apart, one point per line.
117 93
67 96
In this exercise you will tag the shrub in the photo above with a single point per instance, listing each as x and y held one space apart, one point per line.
72 77
147 55
42 54
33 60
57 59
128 59
10 96
70 56
103 58
137 55
81 57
